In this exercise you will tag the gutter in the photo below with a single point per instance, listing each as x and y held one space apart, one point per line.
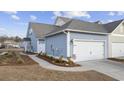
72 30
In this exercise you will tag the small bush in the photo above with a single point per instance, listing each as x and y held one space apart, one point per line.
60 59
70 61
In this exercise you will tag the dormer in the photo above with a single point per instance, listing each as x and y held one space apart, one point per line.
61 21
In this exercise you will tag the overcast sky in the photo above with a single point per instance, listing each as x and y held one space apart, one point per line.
14 23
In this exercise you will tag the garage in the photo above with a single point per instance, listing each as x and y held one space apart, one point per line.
88 50
117 49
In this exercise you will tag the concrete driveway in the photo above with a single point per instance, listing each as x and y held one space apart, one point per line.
108 67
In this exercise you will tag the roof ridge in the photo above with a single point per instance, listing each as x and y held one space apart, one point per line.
42 23
114 21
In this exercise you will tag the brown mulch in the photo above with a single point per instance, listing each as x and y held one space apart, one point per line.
117 59
63 64
37 73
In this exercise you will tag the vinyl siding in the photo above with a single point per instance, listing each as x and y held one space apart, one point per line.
33 41
56 45
119 30
114 39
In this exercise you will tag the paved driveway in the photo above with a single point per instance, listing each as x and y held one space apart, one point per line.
111 68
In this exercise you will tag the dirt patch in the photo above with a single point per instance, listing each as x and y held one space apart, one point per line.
14 58
14 66
37 73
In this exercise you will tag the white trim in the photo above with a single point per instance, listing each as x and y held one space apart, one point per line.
117 35
117 27
85 31
89 40
68 44
75 31
54 33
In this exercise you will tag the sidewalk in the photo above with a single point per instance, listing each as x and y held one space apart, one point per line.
47 65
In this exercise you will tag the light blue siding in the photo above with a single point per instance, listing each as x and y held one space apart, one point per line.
33 41
83 36
56 45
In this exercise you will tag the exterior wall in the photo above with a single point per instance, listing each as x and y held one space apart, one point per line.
116 36
33 41
59 22
119 29
56 45
114 39
89 37
40 46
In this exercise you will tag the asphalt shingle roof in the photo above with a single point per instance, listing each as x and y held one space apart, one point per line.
42 29
112 25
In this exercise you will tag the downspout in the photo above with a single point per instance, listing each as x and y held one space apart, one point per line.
68 43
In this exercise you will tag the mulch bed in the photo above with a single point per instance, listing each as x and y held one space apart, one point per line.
63 63
117 59
30 53
12 60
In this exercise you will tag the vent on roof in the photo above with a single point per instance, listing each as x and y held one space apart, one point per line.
98 22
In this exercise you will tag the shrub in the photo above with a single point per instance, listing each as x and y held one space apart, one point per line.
70 61
39 53
60 59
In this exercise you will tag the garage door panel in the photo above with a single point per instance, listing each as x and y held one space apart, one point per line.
88 50
117 49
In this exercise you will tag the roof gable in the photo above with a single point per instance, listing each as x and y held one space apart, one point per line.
110 27
40 29
119 29
61 21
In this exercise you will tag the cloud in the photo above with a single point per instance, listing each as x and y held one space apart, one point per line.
22 23
15 17
2 29
110 20
120 13
116 13
111 13
72 14
10 12
33 18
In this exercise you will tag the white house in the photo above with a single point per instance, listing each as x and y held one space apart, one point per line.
78 39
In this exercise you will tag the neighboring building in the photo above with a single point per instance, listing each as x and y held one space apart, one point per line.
26 44
11 44
79 39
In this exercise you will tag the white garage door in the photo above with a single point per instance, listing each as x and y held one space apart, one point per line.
117 49
88 50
